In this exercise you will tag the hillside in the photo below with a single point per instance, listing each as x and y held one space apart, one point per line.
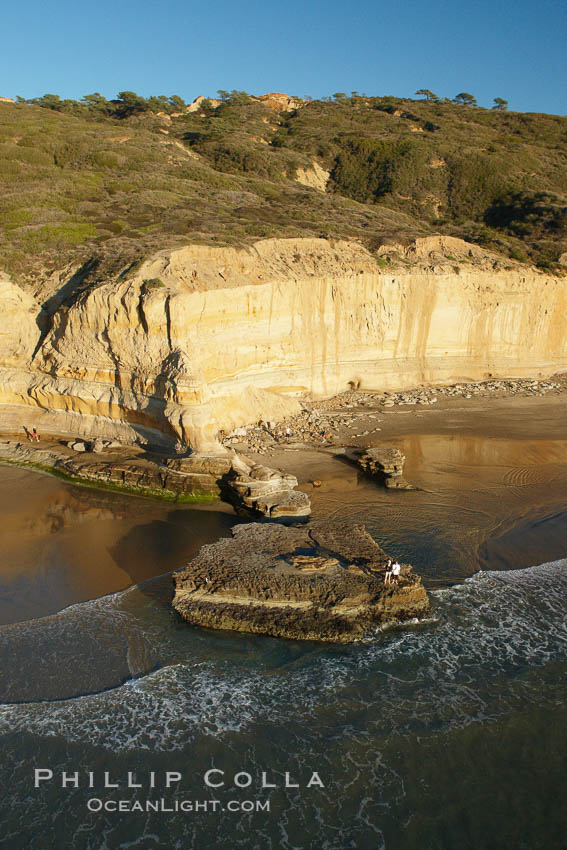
86 183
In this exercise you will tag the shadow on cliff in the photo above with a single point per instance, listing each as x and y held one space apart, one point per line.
79 282
66 296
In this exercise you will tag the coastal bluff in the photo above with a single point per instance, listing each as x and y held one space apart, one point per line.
323 581
199 340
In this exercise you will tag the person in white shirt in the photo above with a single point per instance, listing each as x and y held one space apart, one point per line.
396 571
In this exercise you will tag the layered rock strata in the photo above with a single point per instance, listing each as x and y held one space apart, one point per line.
263 490
323 581
189 479
251 488
386 464
203 339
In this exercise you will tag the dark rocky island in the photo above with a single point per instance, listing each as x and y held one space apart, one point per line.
323 581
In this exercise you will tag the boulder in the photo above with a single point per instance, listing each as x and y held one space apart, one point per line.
238 432
386 463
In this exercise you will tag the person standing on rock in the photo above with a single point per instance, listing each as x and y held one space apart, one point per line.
396 572
35 435
388 574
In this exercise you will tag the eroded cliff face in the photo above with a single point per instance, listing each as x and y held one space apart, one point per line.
202 339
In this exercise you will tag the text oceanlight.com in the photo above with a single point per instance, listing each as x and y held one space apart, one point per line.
95 804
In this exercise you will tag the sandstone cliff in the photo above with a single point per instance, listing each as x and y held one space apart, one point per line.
201 339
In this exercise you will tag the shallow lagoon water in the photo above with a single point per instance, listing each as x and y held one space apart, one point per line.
449 734
63 544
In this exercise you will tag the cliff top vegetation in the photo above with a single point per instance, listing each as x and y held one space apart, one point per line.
117 180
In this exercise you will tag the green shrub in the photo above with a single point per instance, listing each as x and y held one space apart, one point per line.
108 159
369 169
61 234
15 218
474 182
518 254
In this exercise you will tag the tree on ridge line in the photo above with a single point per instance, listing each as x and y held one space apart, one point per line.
428 95
465 99
500 104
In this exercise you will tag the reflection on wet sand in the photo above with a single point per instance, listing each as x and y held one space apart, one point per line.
471 488
63 544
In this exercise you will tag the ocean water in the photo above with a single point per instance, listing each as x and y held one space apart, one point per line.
450 734
447 735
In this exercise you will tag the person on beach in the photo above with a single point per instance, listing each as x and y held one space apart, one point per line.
35 435
28 434
388 574
396 572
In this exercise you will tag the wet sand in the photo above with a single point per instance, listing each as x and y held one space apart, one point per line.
515 417
491 479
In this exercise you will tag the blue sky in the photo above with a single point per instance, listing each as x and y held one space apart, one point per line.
515 50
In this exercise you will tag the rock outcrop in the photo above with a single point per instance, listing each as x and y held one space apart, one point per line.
251 488
315 177
278 101
198 478
19 332
386 464
323 581
197 104
200 338
266 491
